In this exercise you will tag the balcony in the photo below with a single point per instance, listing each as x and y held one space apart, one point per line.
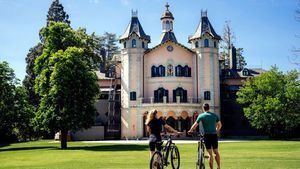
146 102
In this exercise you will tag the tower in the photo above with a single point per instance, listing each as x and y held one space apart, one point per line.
167 21
134 42
205 42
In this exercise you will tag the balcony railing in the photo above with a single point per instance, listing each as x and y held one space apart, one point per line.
151 100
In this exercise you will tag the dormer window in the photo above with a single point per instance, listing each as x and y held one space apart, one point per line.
197 44
133 43
206 43
143 45
215 44
245 72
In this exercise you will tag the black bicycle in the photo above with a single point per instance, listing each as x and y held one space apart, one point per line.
200 164
160 159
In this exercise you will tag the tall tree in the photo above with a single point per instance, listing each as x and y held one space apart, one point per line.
228 39
272 101
65 81
110 44
56 13
15 112
28 82
296 50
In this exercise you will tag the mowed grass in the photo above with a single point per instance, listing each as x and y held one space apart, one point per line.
235 155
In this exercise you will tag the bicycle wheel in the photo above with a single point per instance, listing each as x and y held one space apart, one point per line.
156 161
175 157
200 160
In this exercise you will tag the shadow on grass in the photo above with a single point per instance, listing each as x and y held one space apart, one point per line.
118 147
28 148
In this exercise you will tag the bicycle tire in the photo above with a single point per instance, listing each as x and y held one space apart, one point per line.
175 157
156 161
200 160
202 163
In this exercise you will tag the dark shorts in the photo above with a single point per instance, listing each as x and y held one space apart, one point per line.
211 141
154 145
155 142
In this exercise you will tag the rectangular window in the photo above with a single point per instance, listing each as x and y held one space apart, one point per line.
132 95
207 95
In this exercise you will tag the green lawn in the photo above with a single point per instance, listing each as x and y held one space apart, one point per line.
237 155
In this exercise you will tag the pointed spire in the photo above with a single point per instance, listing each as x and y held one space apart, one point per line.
134 26
204 27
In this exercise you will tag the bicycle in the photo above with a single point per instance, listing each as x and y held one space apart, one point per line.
200 164
159 159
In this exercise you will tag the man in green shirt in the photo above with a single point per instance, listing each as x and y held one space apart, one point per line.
211 125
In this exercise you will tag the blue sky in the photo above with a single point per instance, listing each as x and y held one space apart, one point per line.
266 29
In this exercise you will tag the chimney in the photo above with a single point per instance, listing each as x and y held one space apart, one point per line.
232 58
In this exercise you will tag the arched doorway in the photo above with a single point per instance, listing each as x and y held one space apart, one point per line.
171 120
185 122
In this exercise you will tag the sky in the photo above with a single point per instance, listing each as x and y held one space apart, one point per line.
266 29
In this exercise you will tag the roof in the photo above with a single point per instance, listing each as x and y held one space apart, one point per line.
168 36
167 13
176 43
135 26
238 73
204 27
102 75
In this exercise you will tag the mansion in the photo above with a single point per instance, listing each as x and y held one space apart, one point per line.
173 79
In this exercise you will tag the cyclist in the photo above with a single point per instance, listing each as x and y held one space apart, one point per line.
211 125
154 128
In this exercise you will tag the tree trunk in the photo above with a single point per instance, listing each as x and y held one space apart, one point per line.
63 142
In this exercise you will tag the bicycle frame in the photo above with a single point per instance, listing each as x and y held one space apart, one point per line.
166 149
201 151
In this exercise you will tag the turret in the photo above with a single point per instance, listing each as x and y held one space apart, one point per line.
167 21
134 35
205 35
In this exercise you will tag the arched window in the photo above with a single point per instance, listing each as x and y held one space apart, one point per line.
180 92
197 44
171 25
170 70
124 45
143 45
206 43
207 95
186 71
161 71
153 71
167 25
133 43
178 70
159 94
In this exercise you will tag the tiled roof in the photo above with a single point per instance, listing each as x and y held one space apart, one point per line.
135 27
204 27
168 36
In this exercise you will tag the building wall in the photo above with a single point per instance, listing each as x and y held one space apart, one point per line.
161 56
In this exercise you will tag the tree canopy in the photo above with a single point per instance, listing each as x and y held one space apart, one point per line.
65 80
15 112
56 13
272 101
